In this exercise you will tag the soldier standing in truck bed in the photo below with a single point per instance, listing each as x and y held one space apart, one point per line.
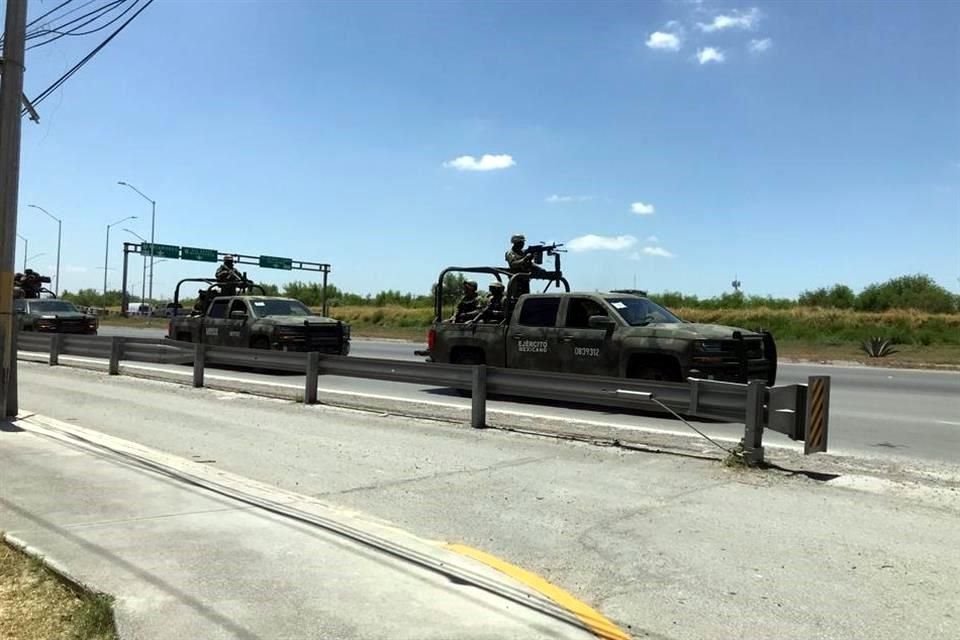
227 277
520 262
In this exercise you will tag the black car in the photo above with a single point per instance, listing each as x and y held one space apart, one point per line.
54 316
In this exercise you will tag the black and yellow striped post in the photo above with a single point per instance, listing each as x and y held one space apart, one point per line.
818 411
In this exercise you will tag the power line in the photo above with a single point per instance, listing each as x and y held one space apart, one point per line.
33 22
75 9
75 31
66 76
49 28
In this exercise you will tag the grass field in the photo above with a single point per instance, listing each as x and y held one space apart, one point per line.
36 605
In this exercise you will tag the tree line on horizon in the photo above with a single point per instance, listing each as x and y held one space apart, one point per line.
919 292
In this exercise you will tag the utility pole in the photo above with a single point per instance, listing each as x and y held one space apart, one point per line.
11 92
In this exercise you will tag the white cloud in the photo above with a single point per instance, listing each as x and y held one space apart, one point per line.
653 239
642 209
658 252
738 20
592 242
487 162
664 41
709 54
759 46
555 199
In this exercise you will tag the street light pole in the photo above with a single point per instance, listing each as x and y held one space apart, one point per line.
59 235
26 247
143 278
106 254
153 226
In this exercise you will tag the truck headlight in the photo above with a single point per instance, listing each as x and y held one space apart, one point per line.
708 346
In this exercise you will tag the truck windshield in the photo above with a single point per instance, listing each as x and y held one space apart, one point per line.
51 306
639 312
264 308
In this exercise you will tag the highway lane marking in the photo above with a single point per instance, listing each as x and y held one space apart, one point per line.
590 617
949 422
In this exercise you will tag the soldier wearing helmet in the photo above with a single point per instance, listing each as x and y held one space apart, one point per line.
228 277
469 305
520 262
492 311
517 259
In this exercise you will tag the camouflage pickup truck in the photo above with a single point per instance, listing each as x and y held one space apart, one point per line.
612 334
258 322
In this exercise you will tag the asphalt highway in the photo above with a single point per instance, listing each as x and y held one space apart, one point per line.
878 412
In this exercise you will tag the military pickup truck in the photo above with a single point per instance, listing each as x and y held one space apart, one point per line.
611 334
244 319
53 316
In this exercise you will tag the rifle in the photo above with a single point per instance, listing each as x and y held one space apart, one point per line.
538 251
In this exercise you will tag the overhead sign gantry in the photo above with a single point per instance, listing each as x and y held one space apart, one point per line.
197 254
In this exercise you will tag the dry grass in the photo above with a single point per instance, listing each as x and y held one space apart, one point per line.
36 605
910 356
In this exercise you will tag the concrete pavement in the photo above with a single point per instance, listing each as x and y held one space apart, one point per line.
665 546
220 560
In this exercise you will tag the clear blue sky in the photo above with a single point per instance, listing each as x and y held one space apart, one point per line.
793 144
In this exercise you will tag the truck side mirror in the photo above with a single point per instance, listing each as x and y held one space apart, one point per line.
601 322
238 315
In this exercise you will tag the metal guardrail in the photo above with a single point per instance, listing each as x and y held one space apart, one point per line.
799 411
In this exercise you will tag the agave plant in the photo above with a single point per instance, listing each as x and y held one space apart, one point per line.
878 347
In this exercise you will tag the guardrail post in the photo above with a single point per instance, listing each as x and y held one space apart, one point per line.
818 413
199 354
313 371
116 350
752 442
56 344
478 412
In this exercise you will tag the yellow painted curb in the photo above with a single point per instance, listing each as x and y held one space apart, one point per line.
591 618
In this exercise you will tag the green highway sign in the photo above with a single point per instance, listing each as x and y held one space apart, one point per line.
202 255
273 262
160 250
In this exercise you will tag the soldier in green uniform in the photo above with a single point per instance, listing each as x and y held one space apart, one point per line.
492 311
228 277
469 304
520 262
517 259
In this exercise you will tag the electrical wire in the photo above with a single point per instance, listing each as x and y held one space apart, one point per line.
59 6
74 10
66 76
101 12
56 29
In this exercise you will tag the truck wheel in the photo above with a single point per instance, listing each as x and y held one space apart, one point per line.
260 342
184 337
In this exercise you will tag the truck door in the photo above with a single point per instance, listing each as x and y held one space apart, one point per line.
235 332
214 324
586 350
532 341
